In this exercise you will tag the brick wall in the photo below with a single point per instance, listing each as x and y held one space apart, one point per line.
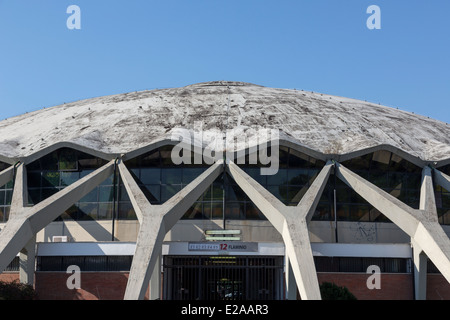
393 286
9 276
437 287
94 286
111 285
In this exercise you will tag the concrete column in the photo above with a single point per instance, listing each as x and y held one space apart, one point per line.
291 285
420 272
25 222
291 223
155 222
428 206
27 262
155 281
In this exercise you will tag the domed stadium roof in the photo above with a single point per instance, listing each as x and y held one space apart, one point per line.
327 124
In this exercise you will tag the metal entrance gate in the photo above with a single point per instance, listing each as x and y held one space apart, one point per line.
223 278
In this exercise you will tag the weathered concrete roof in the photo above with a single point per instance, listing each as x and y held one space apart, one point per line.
327 124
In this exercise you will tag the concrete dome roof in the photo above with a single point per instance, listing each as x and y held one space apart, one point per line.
122 123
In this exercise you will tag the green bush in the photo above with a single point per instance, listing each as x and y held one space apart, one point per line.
331 291
16 291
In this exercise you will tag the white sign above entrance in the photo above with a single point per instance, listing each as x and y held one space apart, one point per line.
211 248
231 246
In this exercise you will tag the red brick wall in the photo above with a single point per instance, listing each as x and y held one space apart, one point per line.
9 277
111 285
94 286
393 286
437 287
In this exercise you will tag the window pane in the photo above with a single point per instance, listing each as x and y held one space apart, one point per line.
150 160
6 212
216 210
126 211
109 181
67 178
359 213
207 210
235 193
296 193
48 192
217 192
278 191
123 195
343 212
298 176
50 179
252 212
91 196
34 179
168 191
171 175
298 159
34 196
255 173
279 178
49 162
378 178
71 213
153 193
234 210
68 160
88 211
323 212
105 211
150 176
195 212
190 174
166 157
106 194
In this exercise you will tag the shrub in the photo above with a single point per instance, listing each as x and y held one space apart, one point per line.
16 291
331 291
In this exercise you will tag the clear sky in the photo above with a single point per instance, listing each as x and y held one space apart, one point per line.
321 45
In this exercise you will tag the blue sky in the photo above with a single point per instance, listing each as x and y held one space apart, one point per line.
322 46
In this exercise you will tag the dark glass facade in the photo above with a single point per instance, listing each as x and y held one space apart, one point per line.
295 175
5 200
5 195
443 199
391 173
160 179
60 169
384 169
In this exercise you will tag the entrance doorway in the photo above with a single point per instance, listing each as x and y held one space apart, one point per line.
223 278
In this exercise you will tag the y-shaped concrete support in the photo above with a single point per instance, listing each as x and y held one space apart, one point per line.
421 225
428 206
28 253
291 223
155 221
25 222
